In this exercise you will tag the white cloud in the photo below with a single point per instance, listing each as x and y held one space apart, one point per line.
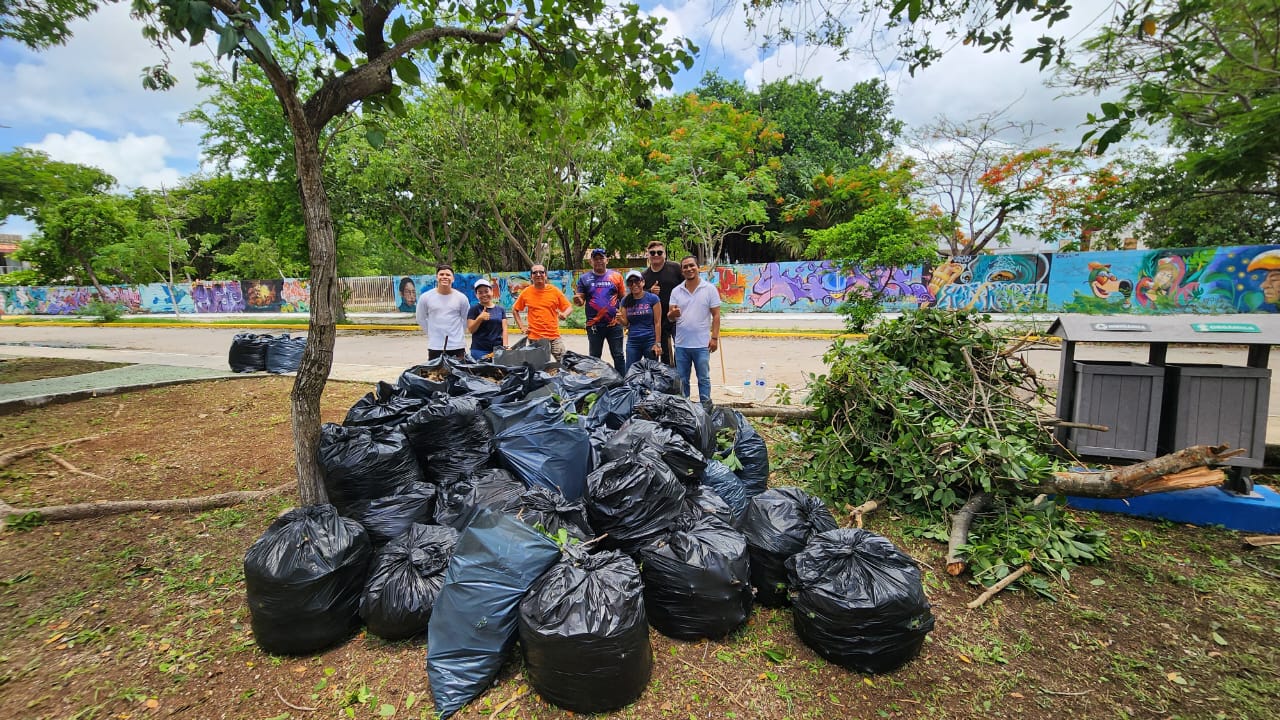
93 84
134 161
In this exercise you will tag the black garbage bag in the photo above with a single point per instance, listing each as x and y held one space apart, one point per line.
686 461
633 499
388 517
450 437
859 601
778 524
682 415
303 580
697 579
592 367
461 500
489 383
385 405
362 463
405 579
613 407
654 376
747 446
248 352
701 500
584 635
574 390
547 453
473 625
284 353
549 511
719 478
429 380
532 409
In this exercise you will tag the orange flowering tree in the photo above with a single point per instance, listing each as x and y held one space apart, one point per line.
706 168
984 184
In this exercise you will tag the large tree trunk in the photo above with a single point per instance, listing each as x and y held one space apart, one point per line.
317 359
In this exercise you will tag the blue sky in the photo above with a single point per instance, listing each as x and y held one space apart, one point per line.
84 102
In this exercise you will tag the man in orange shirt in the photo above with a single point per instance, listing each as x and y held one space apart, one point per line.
547 306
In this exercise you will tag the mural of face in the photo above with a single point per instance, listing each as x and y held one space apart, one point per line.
1166 277
1270 285
1102 281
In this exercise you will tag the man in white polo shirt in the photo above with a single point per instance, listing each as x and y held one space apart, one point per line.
442 315
695 309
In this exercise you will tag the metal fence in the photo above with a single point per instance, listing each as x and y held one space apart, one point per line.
368 294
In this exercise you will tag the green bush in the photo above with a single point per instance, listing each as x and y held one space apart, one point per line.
105 311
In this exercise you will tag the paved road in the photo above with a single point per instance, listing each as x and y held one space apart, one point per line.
370 356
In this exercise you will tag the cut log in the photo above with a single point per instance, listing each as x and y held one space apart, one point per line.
857 513
80 511
783 412
960 523
1162 474
1262 540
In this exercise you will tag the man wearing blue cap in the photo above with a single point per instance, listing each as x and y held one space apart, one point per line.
601 290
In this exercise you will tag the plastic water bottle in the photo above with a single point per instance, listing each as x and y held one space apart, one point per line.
748 385
762 392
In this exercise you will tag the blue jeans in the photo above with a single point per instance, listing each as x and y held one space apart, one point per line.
700 359
641 347
597 334
478 355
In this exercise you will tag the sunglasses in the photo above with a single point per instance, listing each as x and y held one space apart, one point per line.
537 272
657 252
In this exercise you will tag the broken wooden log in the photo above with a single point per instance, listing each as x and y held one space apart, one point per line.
960 523
856 513
1162 474
80 511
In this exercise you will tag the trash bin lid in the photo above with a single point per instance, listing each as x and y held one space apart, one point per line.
1190 330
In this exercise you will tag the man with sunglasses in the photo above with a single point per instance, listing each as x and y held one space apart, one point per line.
661 277
547 306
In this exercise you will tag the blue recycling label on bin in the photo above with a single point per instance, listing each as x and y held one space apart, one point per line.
1225 327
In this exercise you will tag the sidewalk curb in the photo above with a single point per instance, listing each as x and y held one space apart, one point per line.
32 401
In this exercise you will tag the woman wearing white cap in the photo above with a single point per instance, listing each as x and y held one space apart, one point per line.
642 317
487 322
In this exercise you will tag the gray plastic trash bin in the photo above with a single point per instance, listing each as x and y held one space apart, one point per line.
1215 404
1124 396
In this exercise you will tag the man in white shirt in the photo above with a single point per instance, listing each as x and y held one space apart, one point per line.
442 315
695 308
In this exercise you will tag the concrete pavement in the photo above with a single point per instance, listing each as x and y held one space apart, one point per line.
369 355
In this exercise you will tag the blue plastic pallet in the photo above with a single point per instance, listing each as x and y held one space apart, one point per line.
1258 512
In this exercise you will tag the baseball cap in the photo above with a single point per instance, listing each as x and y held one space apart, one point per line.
598 251
483 283
634 274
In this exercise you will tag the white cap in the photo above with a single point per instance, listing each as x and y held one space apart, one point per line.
482 283
634 274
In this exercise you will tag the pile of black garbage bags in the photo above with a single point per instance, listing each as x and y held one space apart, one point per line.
273 353
568 509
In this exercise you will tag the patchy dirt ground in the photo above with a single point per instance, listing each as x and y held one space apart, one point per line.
14 370
142 616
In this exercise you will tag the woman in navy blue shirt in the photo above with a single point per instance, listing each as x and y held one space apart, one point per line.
487 323
642 317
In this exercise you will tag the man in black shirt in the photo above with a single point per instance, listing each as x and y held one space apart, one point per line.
661 277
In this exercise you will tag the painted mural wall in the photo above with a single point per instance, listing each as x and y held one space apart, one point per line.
1219 280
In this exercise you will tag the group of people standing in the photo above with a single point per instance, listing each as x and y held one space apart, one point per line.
667 312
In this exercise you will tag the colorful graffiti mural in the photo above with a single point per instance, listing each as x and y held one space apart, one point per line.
1218 280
